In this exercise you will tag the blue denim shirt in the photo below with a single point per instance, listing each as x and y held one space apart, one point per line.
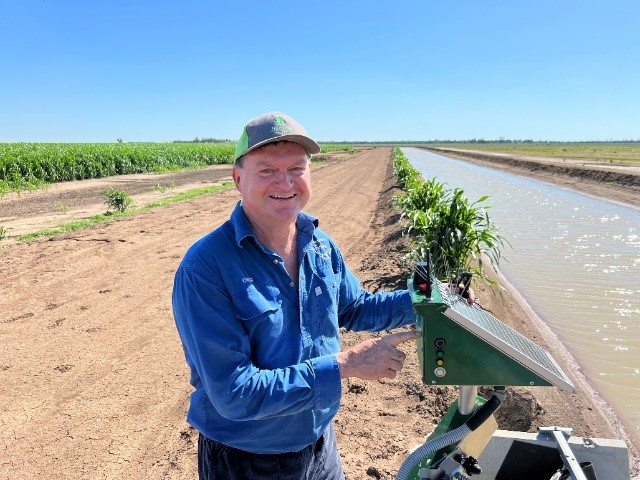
262 351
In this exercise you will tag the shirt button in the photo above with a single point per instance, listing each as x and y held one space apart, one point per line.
275 261
291 284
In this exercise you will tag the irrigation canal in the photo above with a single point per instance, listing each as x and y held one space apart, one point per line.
575 260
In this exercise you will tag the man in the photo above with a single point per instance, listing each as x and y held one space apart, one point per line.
259 303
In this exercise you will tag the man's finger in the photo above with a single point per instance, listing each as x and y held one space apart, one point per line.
396 339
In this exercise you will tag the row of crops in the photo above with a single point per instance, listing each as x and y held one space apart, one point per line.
446 228
25 165
29 165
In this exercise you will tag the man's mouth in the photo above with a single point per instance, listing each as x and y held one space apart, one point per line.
282 197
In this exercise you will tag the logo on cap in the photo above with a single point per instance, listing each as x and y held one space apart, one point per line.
280 127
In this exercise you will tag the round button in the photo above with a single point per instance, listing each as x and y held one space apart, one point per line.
440 372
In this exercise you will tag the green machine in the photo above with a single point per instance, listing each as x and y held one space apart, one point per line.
463 344
466 346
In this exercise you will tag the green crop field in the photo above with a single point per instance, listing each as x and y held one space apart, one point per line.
336 147
614 152
28 165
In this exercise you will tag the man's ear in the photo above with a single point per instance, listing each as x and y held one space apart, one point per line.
235 173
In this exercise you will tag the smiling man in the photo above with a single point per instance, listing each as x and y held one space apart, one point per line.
259 303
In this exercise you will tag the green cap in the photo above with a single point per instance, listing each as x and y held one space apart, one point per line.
273 127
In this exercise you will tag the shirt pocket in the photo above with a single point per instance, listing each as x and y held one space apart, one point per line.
259 309
255 306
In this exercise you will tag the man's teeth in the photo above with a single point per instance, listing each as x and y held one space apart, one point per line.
282 197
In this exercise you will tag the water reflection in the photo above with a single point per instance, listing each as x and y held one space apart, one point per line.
576 260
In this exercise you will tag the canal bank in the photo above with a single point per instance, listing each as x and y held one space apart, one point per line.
618 183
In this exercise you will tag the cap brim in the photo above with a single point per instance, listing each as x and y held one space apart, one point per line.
309 145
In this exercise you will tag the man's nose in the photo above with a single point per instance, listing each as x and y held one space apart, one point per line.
284 178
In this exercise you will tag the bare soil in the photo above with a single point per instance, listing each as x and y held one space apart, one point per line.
94 383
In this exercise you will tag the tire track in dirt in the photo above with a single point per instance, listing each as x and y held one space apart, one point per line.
83 193
346 207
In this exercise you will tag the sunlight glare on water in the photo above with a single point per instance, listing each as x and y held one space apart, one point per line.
576 261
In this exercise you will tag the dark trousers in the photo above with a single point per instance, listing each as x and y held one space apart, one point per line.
319 461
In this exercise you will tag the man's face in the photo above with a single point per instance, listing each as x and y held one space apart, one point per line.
274 181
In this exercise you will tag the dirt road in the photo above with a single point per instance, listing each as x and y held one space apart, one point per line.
94 383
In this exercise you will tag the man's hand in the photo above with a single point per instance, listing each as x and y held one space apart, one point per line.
376 358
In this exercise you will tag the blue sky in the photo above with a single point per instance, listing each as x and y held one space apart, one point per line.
96 71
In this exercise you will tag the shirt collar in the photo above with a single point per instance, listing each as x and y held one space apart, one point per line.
305 223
